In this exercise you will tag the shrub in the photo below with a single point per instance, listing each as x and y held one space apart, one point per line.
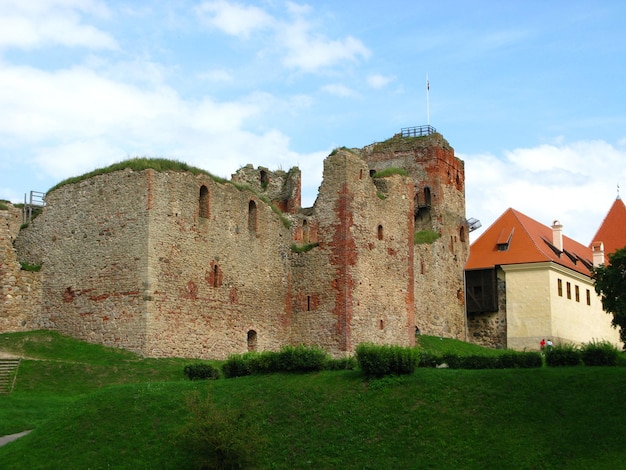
430 360
235 366
563 355
262 363
201 371
379 360
219 438
344 363
301 359
601 353
520 360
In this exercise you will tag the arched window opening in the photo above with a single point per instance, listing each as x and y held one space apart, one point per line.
305 231
380 232
252 216
252 340
462 234
381 324
203 202
265 181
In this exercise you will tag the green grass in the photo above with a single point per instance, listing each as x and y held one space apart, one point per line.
425 236
389 172
93 407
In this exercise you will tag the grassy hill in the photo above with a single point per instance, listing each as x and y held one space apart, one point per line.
94 407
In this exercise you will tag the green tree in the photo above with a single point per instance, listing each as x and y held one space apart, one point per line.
610 284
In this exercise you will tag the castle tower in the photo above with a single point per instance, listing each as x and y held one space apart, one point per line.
441 231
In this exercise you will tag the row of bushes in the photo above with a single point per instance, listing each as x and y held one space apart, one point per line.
596 353
380 360
288 359
509 360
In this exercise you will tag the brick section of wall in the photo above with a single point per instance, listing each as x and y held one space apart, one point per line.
20 291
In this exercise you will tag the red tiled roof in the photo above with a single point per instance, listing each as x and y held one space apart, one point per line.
612 231
526 241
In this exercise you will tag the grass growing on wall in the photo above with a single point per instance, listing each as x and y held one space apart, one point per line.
425 236
389 172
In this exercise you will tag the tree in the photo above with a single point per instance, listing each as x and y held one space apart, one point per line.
610 284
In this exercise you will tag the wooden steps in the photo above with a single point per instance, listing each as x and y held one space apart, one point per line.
8 373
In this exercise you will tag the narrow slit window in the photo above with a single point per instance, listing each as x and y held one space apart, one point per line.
252 216
588 297
203 202
569 290
560 287
380 232
577 293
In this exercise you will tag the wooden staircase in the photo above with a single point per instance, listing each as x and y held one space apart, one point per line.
8 374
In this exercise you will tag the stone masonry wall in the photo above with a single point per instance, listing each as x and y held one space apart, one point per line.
488 329
20 291
439 206
356 286
218 282
91 241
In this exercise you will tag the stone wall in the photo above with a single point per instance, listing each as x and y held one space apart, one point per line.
439 206
20 291
175 264
489 329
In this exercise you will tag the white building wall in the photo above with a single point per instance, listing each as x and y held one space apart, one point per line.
536 311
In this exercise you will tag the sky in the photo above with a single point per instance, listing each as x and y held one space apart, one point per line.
531 94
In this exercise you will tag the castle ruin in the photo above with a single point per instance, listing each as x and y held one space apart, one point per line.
171 263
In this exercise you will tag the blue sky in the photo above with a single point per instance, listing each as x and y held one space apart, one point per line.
530 94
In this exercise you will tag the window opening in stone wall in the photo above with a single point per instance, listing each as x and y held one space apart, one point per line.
252 216
559 284
381 324
203 202
308 303
380 232
265 181
568 288
577 293
422 267
305 231
462 234
361 174
252 340
216 277
588 297
372 172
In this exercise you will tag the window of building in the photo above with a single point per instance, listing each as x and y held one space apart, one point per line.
577 293
308 303
381 324
372 172
265 181
568 288
305 231
216 276
252 340
380 232
462 234
252 216
559 284
588 297
203 202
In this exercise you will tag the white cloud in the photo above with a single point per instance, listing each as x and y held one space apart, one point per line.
234 18
309 52
339 90
39 23
575 183
379 81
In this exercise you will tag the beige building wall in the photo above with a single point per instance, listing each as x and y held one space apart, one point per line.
536 311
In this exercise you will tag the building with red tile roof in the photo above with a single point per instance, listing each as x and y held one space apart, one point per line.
612 231
526 282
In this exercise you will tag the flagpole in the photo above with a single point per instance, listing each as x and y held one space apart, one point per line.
427 100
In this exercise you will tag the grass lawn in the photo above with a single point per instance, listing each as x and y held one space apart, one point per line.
94 407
